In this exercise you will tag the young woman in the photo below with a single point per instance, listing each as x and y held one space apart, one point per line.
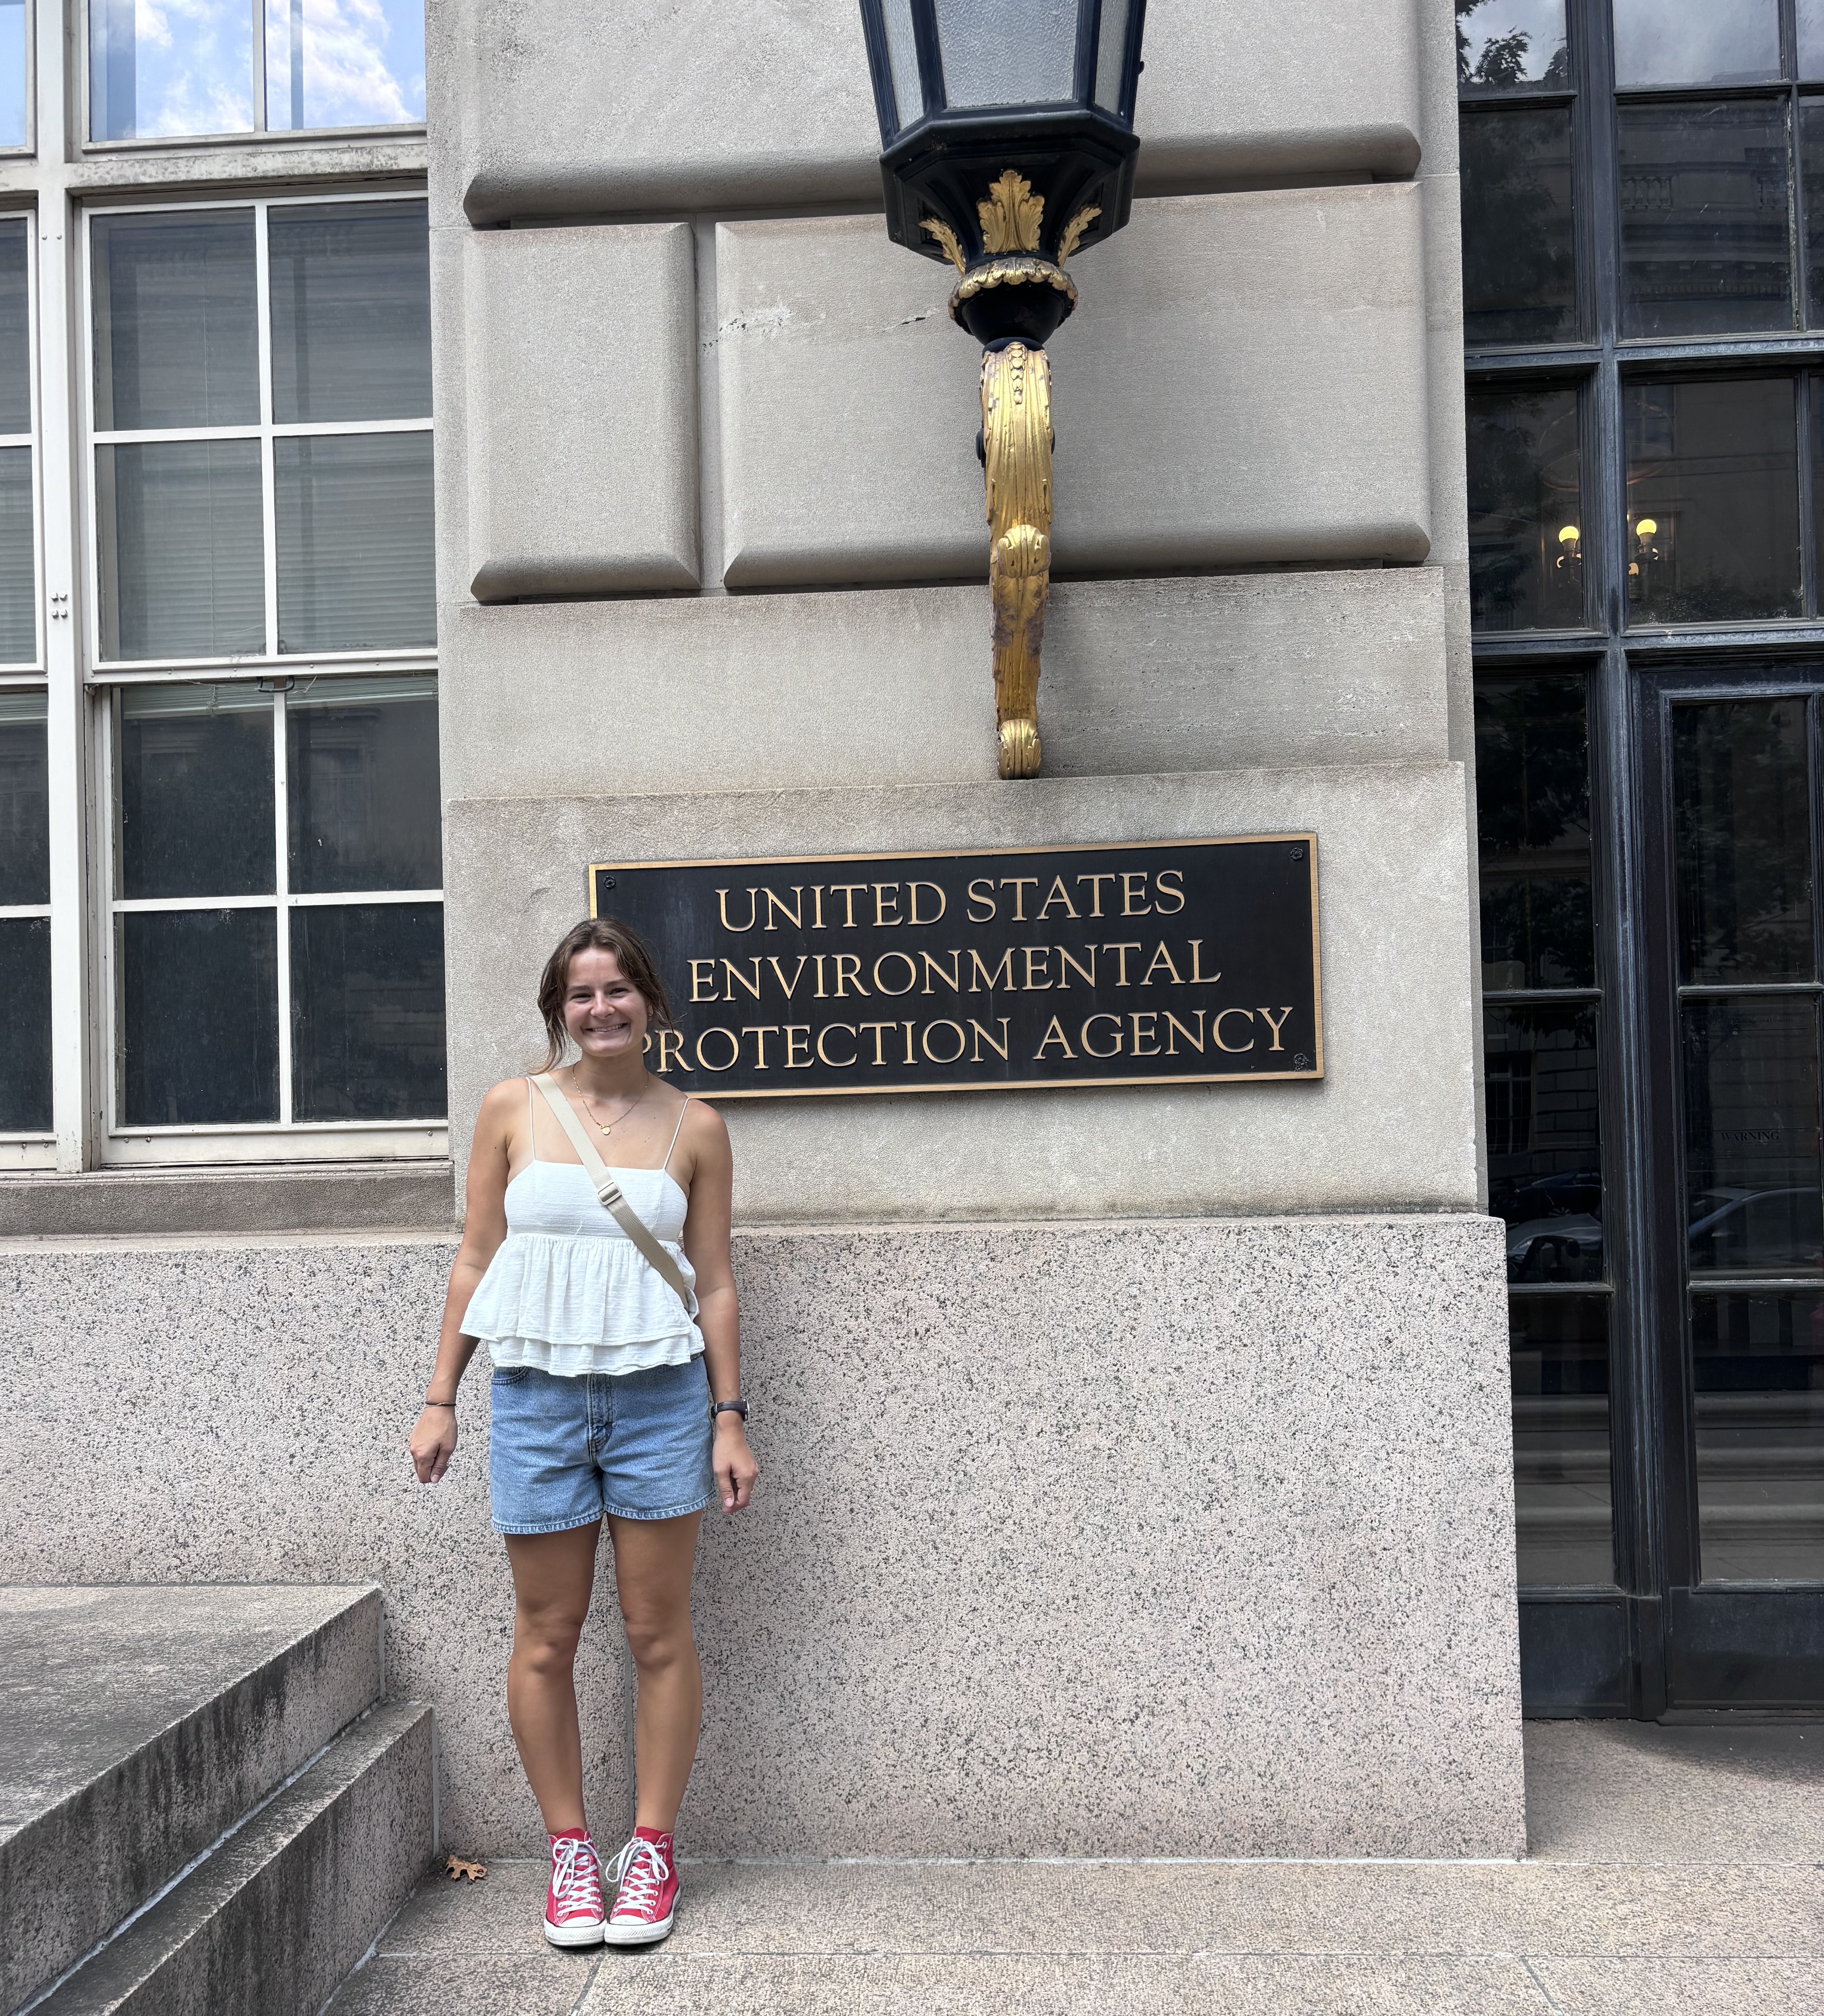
613 1396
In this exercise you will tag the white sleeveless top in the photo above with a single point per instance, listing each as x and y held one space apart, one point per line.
569 1292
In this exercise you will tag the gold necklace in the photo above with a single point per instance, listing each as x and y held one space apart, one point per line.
589 1107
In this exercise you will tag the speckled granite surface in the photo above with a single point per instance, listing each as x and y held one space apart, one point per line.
1181 1537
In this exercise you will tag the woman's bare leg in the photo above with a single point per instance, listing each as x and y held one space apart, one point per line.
652 1560
553 1575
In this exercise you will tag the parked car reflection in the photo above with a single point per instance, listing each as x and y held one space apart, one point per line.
1555 1229
1745 1231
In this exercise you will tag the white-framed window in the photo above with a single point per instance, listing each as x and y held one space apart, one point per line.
260 647
276 908
15 75
258 405
220 68
21 644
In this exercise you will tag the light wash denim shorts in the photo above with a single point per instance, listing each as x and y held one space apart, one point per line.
563 1451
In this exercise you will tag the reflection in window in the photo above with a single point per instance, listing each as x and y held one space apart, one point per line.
1533 821
1526 554
222 942
1742 839
1560 1356
1519 276
1695 42
344 63
161 73
1512 44
1754 1189
25 938
1757 1367
1713 501
1704 218
15 75
1544 1160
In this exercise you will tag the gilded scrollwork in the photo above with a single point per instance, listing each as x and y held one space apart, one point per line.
1074 230
935 227
1011 215
1016 446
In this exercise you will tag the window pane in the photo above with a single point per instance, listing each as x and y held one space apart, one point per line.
1544 1160
1704 247
25 1025
14 82
367 1012
19 598
1561 1479
351 285
15 325
25 801
1713 501
344 63
1510 43
176 341
182 559
356 564
196 771
154 71
1695 42
1753 1201
1111 46
1533 817
1812 153
199 1018
362 788
1519 276
1742 839
1811 38
1757 1362
1019 51
1525 565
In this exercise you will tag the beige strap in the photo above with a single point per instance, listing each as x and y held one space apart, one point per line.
608 1190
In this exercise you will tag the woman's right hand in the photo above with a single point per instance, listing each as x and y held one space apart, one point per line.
433 1442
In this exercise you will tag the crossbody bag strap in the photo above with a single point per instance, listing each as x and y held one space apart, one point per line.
608 1190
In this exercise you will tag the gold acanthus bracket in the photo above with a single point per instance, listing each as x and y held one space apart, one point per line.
1016 447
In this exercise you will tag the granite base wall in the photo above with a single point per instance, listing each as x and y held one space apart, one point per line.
1176 1538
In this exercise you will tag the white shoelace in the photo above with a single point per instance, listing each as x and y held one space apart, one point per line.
576 1875
640 1869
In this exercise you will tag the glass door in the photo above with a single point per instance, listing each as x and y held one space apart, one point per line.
1735 1268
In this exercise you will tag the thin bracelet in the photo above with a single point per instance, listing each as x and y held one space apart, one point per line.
450 1404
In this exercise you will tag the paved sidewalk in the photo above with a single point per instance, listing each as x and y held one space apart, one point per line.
1671 1869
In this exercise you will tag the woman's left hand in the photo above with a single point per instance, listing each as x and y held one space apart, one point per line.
735 1467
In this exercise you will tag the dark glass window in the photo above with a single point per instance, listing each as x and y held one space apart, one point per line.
363 796
351 290
1561 1490
1704 218
199 1014
1695 42
1520 275
1526 508
1713 500
367 1011
176 319
25 941
196 781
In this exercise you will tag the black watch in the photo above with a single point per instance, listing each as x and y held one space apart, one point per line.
728 1407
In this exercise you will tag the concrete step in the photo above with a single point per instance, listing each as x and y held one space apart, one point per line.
137 1725
269 1922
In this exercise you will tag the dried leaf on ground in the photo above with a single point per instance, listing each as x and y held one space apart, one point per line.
457 1868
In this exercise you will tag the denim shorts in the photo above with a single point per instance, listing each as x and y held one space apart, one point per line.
563 1451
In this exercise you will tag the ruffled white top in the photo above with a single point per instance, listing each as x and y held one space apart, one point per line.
570 1293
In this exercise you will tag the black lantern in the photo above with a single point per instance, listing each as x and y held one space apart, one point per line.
1007 133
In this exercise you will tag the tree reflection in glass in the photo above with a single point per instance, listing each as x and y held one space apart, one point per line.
1526 554
1520 272
1512 44
1713 500
1533 817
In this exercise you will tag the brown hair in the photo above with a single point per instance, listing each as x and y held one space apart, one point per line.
597 934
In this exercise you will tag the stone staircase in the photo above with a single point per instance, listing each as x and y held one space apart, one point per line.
207 1808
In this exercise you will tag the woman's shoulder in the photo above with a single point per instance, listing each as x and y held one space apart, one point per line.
502 1101
700 1126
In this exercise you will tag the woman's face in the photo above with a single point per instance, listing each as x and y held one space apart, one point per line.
604 1012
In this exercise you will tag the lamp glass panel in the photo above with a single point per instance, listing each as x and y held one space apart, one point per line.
1512 44
1713 500
1008 52
1695 42
902 60
1111 46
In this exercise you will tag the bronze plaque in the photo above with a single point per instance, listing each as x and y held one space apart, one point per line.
1174 962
